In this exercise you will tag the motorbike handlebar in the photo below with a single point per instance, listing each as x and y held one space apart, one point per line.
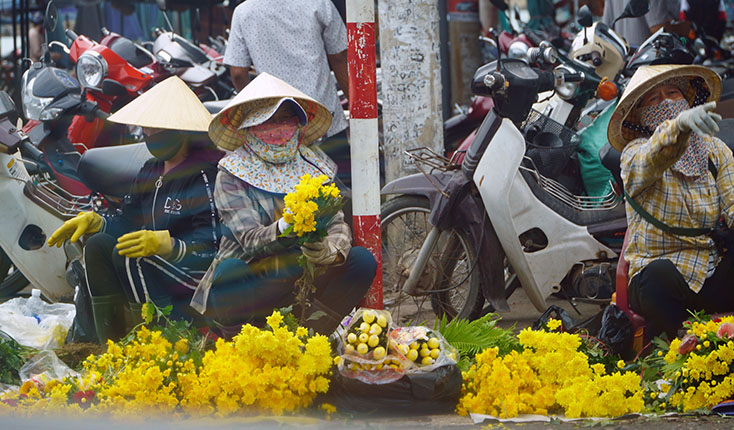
29 150
71 34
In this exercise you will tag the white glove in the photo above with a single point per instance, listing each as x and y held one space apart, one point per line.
282 225
320 253
699 119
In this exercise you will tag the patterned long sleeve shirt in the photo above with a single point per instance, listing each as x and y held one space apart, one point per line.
250 220
677 200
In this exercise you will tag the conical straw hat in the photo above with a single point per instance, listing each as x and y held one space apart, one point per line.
169 105
225 131
705 89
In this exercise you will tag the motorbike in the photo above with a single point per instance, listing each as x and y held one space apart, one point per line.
460 234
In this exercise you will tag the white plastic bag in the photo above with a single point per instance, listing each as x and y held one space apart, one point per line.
44 367
45 329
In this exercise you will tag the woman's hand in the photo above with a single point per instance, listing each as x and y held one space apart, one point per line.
320 253
699 119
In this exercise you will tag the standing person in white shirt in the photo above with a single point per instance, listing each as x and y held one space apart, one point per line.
300 42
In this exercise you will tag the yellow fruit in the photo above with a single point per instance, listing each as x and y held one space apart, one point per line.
426 361
433 343
362 348
364 327
375 329
392 344
363 337
424 345
403 348
382 321
414 345
435 353
379 366
352 338
349 348
354 367
368 317
412 355
373 341
378 353
425 352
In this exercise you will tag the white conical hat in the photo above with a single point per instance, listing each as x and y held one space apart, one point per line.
648 77
170 105
225 129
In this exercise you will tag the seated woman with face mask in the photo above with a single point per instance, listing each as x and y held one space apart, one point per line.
269 127
160 243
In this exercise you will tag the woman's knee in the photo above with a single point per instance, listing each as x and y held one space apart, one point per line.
100 245
361 263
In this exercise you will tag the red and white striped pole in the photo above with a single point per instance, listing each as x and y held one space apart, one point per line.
363 136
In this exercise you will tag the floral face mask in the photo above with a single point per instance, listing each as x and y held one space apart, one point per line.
276 132
278 153
653 116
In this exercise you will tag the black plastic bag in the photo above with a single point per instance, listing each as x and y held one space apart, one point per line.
82 328
616 330
555 312
434 392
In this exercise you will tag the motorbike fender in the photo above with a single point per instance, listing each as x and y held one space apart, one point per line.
419 185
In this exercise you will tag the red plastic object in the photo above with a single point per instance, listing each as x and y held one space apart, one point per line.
622 300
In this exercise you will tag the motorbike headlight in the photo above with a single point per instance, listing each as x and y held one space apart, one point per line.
91 68
565 90
517 49
32 105
165 55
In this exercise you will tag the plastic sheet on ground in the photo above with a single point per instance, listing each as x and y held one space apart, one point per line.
44 329
480 418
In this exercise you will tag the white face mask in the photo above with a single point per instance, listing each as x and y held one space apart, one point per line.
276 154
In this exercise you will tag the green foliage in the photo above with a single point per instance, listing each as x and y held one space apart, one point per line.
12 357
472 337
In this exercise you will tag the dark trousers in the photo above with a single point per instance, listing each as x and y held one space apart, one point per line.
337 148
661 295
109 273
244 292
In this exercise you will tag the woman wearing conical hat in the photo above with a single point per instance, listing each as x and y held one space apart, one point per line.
165 236
679 181
268 128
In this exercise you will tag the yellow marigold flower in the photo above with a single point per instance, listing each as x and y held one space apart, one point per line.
274 320
621 364
301 332
553 324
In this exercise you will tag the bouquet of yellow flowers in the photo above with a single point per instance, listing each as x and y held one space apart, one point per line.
309 210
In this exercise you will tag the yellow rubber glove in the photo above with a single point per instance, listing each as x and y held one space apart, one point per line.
144 243
73 229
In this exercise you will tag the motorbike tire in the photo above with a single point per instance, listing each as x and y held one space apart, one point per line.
404 229
12 280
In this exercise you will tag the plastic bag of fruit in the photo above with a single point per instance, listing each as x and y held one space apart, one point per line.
364 349
423 348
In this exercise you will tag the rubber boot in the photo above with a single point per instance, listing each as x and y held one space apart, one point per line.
109 317
133 315
327 322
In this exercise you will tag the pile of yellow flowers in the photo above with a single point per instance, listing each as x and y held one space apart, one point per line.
697 368
550 375
269 370
310 200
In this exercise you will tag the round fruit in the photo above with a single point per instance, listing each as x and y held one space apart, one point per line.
435 353
364 327
352 338
414 345
425 352
362 348
412 355
433 343
349 348
373 341
382 321
424 345
403 348
368 317
375 329
363 337
378 353
426 361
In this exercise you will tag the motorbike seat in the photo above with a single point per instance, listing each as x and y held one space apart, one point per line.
214 107
111 170
612 160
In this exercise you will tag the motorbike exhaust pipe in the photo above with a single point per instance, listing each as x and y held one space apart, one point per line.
411 284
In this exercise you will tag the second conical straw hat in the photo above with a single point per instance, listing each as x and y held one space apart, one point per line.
170 105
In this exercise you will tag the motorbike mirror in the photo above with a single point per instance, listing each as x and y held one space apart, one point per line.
585 19
111 87
161 5
634 9
51 18
500 4
7 107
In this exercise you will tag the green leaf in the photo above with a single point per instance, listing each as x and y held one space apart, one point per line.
473 337
316 315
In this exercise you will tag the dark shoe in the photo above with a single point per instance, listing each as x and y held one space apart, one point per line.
109 317
326 322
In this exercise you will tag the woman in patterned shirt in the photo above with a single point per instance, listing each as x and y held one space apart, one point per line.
679 182
268 128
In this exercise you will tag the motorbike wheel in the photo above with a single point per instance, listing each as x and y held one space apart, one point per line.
404 229
12 280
